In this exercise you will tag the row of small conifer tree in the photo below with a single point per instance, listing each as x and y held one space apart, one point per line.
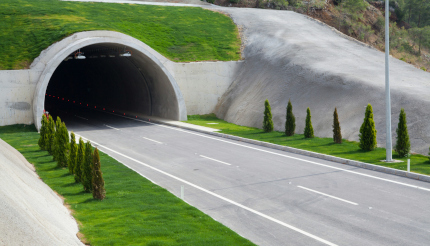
82 162
367 130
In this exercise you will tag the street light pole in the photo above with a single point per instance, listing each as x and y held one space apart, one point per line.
388 146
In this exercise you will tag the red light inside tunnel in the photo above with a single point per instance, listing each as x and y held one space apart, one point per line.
113 111
95 106
87 105
63 98
124 113
103 108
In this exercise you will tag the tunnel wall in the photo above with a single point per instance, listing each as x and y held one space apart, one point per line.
194 87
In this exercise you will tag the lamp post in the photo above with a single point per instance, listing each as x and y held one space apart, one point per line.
388 146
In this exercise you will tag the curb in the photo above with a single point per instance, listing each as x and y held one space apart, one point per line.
388 170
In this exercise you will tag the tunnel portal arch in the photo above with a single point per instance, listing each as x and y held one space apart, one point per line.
166 98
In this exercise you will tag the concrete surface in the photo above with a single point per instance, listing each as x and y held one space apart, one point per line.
263 194
30 212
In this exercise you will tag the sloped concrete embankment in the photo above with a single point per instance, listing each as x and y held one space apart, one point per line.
288 56
30 212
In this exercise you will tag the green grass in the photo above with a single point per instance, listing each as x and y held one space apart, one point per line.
135 211
180 33
348 149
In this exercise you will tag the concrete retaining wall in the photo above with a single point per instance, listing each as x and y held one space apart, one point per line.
203 83
198 86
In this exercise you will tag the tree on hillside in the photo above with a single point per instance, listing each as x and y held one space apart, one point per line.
403 146
309 130
267 123
97 178
51 135
337 135
290 122
354 8
73 153
367 131
63 145
43 129
87 168
79 161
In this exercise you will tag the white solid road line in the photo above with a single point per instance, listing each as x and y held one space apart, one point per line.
283 155
216 195
81 117
152 140
215 160
112 127
337 198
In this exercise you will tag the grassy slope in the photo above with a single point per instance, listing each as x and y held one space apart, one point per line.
180 33
135 211
348 149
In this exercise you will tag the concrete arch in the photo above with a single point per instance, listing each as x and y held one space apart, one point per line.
167 99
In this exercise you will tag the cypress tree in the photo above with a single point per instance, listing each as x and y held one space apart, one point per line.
73 153
337 135
367 131
290 122
63 145
51 135
57 139
309 130
267 123
97 178
87 168
403 146
79 161
42 137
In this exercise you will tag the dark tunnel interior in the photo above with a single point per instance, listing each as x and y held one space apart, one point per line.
106 78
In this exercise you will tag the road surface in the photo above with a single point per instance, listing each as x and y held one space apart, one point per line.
268 196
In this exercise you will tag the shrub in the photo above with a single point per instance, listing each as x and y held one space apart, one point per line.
290 122
63 145
79 161
267 123
403 146
72 154
367 131
309 130
87 168
43 129
337 135
97 178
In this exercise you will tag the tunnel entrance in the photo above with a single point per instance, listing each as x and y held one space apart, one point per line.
108 71
106 77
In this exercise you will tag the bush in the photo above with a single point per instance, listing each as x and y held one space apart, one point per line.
79 161
267 123
337 135
367 131
87 168
309 130
72 154
43 129
290 122
403 146
97 178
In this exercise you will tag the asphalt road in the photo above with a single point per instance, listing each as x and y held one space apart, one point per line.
268 196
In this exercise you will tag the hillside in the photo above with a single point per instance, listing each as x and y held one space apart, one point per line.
364 21
179 33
